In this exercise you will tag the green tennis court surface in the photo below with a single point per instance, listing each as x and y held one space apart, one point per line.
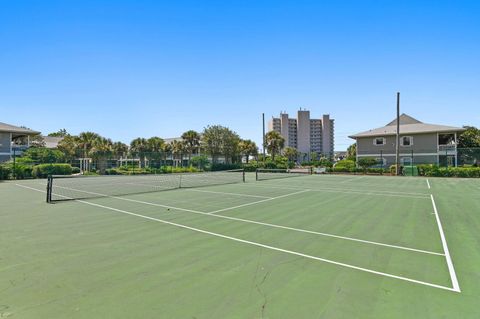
301 247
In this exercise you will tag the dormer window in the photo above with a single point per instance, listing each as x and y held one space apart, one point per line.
406 141
379 141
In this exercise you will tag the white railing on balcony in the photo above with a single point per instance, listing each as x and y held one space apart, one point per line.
451 148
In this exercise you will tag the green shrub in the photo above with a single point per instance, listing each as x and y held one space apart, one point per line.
376 170
393 169
250 167
5 172
43 170
349 164
114 171
43 155
343 169
200 161
366 162
18 171
22 171
75 170
324 162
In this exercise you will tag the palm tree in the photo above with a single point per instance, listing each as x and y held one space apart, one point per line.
119 149
248 148
275 143
177 150
101 150
69 146
192 142
139 147
154 145
85 142
166 149
291 153
352 152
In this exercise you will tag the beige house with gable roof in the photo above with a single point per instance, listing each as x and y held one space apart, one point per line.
12 139
420 143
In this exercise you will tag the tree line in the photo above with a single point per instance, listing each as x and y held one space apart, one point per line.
216 141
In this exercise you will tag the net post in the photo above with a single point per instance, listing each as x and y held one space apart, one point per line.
256 174
243 175
49 189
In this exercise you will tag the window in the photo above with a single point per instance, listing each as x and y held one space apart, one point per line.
379 141
406 141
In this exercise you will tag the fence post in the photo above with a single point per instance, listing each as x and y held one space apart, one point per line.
381 161
412 164
14 163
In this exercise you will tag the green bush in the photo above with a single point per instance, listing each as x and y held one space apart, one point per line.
348 164
43 170
343 169
393 169
200 161
43 155
435 171
18 171
75 170
250 167
366 162
5 172
376 170
22 171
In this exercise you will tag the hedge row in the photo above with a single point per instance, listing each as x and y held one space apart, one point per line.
21 171
343 169
435 171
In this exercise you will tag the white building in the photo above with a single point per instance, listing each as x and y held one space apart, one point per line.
305 134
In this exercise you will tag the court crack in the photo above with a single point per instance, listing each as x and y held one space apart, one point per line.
258 286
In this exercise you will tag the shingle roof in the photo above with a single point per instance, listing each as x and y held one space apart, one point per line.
408 125
4 127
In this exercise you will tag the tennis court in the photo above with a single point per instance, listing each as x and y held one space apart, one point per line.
320 246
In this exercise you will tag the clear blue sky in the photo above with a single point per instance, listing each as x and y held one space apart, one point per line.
142 68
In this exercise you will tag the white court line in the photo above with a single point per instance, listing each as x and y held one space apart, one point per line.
258 202
451 269
261 223
283 227
348 191
428 184
342 189
224 193
291 252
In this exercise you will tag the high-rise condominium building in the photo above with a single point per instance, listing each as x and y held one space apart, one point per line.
305 134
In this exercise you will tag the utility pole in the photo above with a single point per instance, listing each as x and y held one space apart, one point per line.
263 136
397 146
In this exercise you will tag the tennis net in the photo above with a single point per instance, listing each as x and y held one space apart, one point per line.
266 174
61 188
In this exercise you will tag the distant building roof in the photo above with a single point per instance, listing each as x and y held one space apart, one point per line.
408 125
8 128
171 139
51 141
